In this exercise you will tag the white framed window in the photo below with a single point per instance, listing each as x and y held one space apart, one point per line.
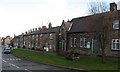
36 37
115 44
41 35
24 43
74 41
29 37
24 38
116 24
62 45
71 42
88 44
36 44
32 45
29 44
32 36
50 46
81 42
51 36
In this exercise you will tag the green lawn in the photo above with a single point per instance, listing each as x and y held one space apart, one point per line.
87 63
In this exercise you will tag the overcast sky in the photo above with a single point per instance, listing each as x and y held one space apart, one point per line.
17 16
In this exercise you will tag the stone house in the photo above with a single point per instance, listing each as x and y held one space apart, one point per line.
45 39
83 32
7 40
16 41
62 38
82 35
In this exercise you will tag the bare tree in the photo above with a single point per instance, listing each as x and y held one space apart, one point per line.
98 7
101 23
102 33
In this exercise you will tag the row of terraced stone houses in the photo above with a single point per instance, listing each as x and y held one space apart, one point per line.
79 34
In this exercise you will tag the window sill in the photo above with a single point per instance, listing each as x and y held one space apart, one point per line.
115 50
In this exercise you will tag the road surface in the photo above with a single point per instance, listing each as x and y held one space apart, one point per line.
11 63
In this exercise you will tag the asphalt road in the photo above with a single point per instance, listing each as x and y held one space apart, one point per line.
11 63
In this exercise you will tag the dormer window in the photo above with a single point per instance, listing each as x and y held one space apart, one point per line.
116 24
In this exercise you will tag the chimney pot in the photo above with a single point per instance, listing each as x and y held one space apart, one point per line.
113 6
25 32
35 29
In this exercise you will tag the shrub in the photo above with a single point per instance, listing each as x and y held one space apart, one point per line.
72 55
33 48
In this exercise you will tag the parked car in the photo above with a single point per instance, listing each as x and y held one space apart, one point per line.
7 50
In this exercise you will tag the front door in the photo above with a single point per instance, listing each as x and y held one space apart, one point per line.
95 47
61 45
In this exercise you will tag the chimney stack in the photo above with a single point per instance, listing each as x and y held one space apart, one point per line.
35 29
113 6
63 21
50 25
22 33
68 20
39 28
26 32
44 27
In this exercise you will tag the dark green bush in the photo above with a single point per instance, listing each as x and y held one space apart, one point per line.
72 55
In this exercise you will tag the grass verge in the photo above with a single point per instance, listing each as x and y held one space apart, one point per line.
87 63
